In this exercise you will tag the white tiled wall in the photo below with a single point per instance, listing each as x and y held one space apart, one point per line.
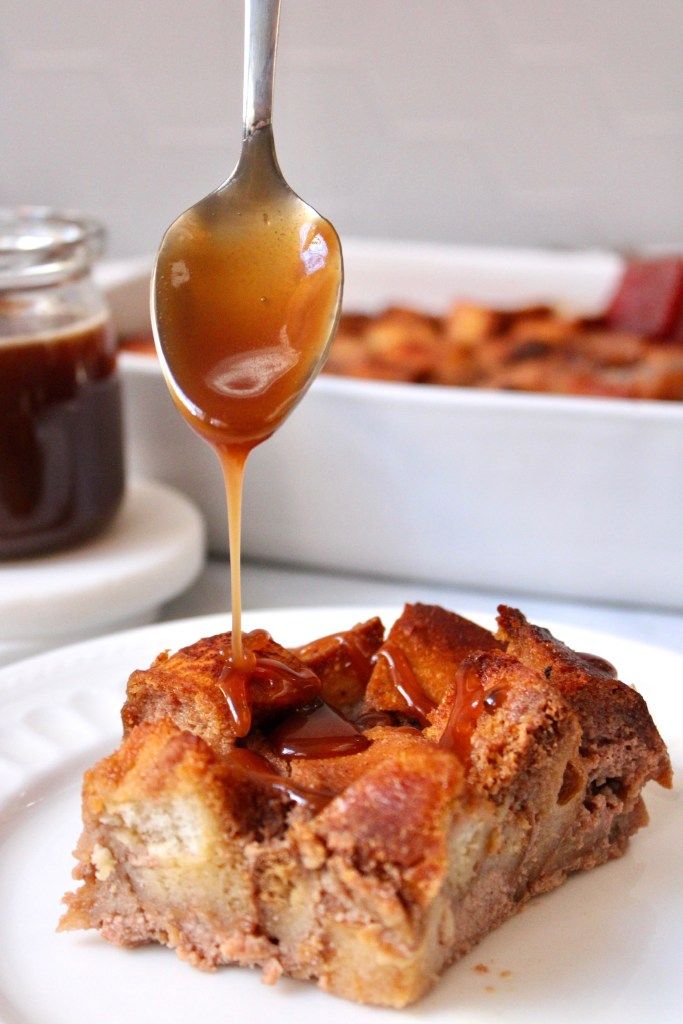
516 121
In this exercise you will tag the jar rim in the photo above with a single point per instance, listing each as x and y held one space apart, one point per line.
40 245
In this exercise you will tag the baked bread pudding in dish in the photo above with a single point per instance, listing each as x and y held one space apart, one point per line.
536 349
362 810
633 350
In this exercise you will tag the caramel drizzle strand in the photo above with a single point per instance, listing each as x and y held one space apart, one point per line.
280 678
253 765
403 678
470 702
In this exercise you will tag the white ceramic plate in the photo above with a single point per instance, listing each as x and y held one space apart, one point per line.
604 949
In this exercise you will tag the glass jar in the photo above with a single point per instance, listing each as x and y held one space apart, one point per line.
61 458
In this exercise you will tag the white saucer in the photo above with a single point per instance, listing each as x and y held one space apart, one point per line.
152 551
605 948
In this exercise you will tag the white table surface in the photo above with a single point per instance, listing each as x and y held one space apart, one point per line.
271 586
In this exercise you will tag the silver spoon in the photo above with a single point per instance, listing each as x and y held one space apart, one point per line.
247 285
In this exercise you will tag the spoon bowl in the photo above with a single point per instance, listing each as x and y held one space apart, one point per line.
246 291
246 297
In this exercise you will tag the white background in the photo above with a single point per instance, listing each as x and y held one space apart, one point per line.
513 121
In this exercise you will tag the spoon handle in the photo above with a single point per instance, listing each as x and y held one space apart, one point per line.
261 18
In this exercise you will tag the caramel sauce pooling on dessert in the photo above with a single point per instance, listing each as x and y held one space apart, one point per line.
598 664
316 731
470 701
472 698
245 308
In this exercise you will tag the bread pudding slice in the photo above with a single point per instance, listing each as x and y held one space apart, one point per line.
384 804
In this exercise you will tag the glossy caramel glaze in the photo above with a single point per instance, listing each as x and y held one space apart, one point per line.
256 767
245 304
263 680
358 659
418 704
470 702
316 731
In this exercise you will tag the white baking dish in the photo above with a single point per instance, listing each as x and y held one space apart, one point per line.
580 497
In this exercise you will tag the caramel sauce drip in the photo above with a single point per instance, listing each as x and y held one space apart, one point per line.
262 681
317 731
360 662
598 664
471 701
253 766
233 685
233 460
418 704
245 307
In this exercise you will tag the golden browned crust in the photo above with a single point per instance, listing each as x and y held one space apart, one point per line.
414 851
529 721
393 818
609 711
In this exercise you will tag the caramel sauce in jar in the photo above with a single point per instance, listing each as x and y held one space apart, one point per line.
61 458
61 461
